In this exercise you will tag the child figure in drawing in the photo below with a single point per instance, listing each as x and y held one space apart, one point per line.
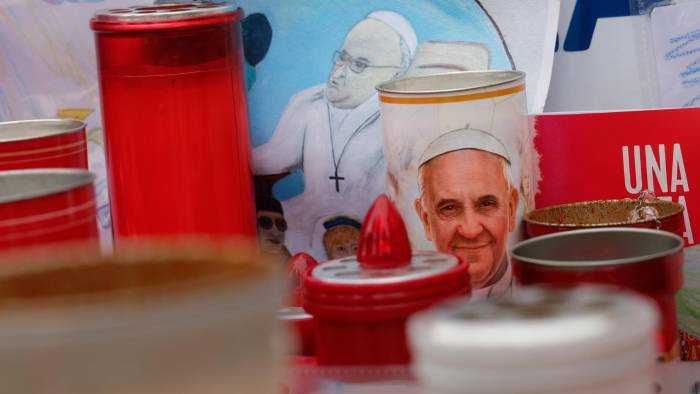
332 131
341 237
271 227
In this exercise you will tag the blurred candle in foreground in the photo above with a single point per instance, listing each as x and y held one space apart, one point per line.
588 340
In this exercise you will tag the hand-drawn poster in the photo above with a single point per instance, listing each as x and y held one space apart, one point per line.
311 71
315 116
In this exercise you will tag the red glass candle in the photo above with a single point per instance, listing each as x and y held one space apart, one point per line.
175 118
43 143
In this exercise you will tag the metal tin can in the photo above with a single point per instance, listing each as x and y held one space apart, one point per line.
42 206
589 340
43 143
602 213
437 115
649 262
360 304
152 318
176 128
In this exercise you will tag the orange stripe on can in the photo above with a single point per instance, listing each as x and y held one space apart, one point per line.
452 99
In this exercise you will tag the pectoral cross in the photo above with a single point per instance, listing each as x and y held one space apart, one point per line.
337 180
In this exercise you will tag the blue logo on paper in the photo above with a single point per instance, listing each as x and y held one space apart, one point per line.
587 12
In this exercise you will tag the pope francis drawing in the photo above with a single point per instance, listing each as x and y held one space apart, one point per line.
332 132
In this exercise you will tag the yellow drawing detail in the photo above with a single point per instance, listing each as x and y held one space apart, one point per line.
74 113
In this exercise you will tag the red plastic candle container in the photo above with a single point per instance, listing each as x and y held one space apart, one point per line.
361 304
296 267
39 207
301 326
649 262
43 143
175 118
602 213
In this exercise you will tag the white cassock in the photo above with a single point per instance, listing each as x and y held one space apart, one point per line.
340 153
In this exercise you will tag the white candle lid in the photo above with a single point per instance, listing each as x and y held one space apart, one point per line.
539 338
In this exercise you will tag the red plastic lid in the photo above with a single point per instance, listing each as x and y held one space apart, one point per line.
165 16
385 276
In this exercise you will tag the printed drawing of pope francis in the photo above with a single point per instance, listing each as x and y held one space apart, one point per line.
333 133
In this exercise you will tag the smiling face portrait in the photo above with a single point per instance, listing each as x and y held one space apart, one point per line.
467 206
370 54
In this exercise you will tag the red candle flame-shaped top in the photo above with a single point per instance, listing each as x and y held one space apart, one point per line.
383 238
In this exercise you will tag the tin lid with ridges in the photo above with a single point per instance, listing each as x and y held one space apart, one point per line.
164 12
348 271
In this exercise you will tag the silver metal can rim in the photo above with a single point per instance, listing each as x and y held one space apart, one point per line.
164 12
459 81
293 313
585 264
24 130
49 182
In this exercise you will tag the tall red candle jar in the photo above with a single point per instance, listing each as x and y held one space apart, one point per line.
45 206
361 304
175 117
649 262
43 143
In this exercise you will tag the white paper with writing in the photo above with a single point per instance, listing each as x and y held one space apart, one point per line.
676 37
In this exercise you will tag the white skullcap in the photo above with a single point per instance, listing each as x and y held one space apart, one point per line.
466 138
434 57
400 25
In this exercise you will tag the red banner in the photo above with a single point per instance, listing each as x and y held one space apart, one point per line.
606 155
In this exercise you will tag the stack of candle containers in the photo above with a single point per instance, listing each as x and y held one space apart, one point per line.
46 192
360 304
588 340
173 100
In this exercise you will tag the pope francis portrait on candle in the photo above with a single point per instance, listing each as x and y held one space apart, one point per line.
467 204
